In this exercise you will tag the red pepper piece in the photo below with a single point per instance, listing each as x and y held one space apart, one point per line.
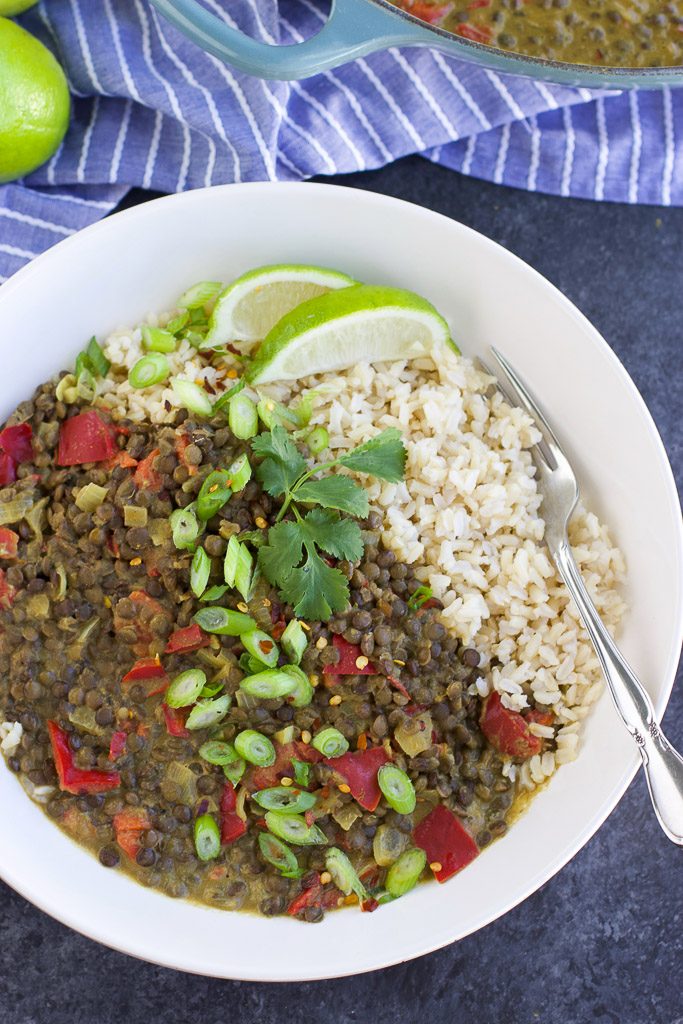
8 469
264 778
181 443
8 543
184 641
175 719
7 592
359 769
117 745
146 476
399 686
480 34
129 825
84 438
77 780
309 897
17 442
348 655
143 633
232 826
368 905
122 459
541 717
151 671
445 842
507 730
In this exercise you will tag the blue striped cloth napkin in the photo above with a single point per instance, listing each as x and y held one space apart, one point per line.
152 110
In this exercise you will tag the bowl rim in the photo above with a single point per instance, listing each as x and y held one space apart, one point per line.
50 901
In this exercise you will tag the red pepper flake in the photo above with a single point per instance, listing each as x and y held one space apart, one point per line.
475 34
117 745
7 592
77 780
369 905
148 670
8 543
129 825
232 826
187 640
175 719
398 685
146 477
181 443
348 658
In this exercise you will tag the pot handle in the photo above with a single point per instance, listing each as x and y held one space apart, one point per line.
353 29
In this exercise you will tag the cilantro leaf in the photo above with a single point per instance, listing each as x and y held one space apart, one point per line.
339 537
383 456
316 590
282 553
335 492
283 463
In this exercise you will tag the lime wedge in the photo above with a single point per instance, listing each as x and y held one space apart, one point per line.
254 303
363 323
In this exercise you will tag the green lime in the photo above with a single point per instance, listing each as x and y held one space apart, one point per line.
34 102
11 7
363 323
254 303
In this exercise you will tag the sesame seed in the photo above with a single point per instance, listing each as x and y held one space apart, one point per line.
343 788
107 602
435 866
397 661
325 877
304 625
305 736
314 680
362 661
286 781
260 522
136 561
334 701
321 643
242 607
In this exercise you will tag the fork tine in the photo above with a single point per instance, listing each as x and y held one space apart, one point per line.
526 399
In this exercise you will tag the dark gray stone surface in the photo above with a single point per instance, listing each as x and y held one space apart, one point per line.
601 942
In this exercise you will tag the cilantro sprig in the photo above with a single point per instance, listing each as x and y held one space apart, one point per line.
294 557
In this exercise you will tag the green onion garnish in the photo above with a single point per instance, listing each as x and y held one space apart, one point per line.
397 788
418 598
239 473
285 799
222 402
268 685
86 387
274 414
213 494
208 712
237 567
330 742
242 417
344 874
212 689
294 641
234 770
200 571
318 440
177 323
279 855
255 748
404 874
185 688
184 526
80 364
191 396
156 340
199 294
261 646
302 696
224 621
207 837
151 369
214 593
97 361
293 829
302 772
249 665
217 752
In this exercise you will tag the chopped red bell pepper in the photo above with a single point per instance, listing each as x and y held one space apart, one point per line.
8 543
232 826
77 780
308 897
541 717
348 656
181 443
122 459
17 442
146 476
8 469
151 671
144 635
445 842
175 719
507 730
428 12
369 905
264 778
359 769
478 34
117 744
186 640
129 825
84 438
7 592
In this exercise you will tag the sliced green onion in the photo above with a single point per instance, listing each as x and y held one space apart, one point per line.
302 772
274 414
268 685
404 874
177 323
243 579
249 665
242 417
193 338
97 361
304 408
224 400
293 829
285 799
330 742
213 494
86 385
224 621
418 598
200 571
151 369
66 389
185 688
318 440
294 641
199 294
184 526
214 593
80 364
156 340
191 396
344 874
217 752
279 855
212 689
302 696
255 748
208 712
397 788
235 770
230 563
261 646
239 473
207 837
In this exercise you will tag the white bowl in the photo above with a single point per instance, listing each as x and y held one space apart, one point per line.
135 262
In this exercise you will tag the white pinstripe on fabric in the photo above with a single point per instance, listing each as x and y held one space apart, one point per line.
425 94
636 148
503 90
118 49
13 250
502 154
80 170
34 222
669 152
603 149
153 149
469 154
120 142
85 46
462 92
535 154
570 141
408 127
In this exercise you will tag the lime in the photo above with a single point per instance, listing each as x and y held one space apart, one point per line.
34 102
10 7
254 303
363 323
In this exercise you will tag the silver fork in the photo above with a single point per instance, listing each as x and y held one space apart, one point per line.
662 764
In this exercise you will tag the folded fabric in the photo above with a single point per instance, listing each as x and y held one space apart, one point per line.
153 110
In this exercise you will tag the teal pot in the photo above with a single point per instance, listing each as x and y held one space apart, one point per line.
358 27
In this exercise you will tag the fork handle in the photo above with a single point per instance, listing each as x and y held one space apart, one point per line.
662 764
